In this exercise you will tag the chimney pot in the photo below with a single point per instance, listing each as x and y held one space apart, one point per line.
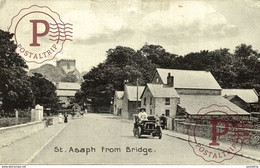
170 80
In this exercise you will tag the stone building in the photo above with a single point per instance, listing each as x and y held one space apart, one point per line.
66 91
249 98
69 67
130 102
160 99
64 71
237 101
183 92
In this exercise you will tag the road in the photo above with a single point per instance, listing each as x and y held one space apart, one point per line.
103 139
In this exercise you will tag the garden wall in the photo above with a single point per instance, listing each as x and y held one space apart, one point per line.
11 134
205 131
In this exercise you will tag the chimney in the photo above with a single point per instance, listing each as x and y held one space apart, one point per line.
170 80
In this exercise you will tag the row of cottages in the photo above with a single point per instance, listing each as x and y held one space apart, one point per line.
176 92
130 102
247 99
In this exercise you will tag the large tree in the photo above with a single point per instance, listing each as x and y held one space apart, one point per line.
247 66
240 69
44 92
14 83
122 63
158 55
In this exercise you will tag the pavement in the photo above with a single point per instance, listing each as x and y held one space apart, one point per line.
24 150
103 139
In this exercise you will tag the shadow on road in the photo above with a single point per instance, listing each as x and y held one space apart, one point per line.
142 137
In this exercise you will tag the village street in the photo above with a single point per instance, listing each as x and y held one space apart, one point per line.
99 132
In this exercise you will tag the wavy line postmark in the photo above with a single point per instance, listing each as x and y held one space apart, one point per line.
39 33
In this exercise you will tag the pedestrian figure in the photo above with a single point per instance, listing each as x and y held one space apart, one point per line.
163 121
66 118
81 113
60 118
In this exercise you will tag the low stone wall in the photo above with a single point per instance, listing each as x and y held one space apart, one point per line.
205 131
11 134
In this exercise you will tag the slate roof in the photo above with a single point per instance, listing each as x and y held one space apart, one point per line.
119 94
160 90
68 86
65 93
193 103
131 91
231 97
189 79
248 95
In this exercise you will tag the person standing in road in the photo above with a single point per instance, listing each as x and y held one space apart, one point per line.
66 118
163 121
60 118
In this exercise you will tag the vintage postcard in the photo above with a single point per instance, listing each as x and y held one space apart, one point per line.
129 82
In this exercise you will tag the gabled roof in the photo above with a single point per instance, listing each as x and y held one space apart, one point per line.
160 90
248 95
131 91
119 94
68 86
189 79
193 103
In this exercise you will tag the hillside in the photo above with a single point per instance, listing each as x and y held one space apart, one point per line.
51 72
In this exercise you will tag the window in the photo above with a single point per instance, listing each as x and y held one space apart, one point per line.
151 100
157 80
139 103
68 65
167 113
145 101
167 101
151 111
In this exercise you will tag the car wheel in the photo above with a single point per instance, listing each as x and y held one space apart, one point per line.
160 133
134 131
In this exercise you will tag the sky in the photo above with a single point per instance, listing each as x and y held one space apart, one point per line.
180 27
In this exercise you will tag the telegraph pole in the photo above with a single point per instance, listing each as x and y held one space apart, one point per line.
137 95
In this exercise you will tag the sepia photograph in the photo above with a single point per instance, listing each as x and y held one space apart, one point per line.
129 82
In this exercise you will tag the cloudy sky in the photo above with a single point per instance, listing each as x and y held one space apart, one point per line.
179 26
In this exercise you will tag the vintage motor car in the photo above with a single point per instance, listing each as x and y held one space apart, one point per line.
147 127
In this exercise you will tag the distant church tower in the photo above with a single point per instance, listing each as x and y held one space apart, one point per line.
67 65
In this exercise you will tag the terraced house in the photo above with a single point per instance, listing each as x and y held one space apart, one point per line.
175 92
131 100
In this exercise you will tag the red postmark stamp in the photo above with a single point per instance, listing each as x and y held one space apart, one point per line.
39 33
225 130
